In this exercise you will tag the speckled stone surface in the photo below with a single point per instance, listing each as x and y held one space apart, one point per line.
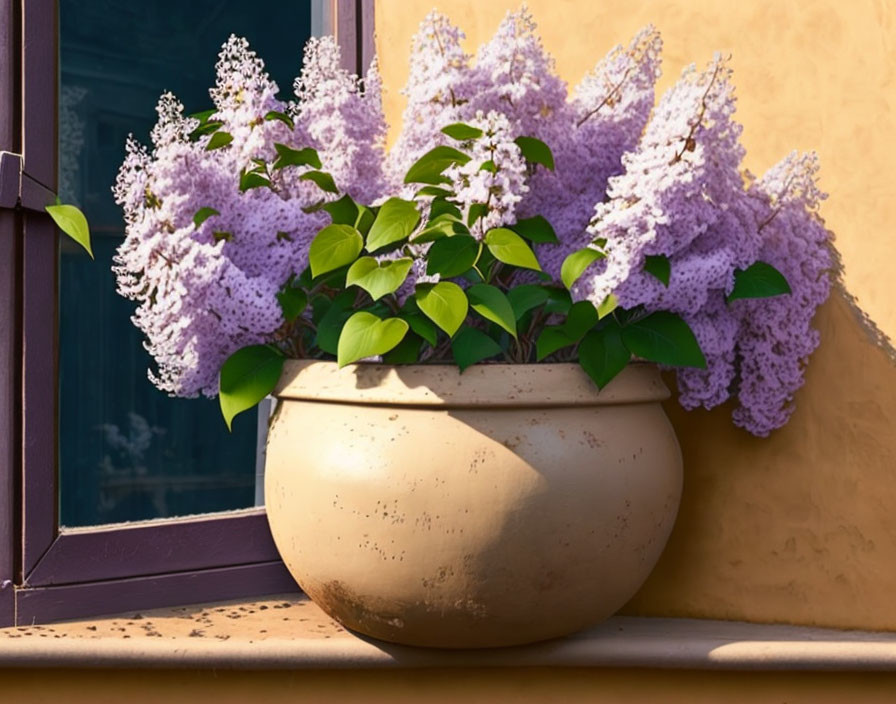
288 632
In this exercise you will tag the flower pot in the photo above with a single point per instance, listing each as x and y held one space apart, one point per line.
501 506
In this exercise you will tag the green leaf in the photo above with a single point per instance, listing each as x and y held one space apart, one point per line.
429 167
580 319
395 221
72 222
365 219
657 265
444 304
330 326
203 214
665 338
323 180
607 306
248 375
282 117
492 305
378 278
287 156
422 326
204 129
510 248
292 302
477 210
434 191
526 297
559 301
489 165
440 229
470 346
535 151
440 207
252 179
462 132
759 280
219 235
551 339
343 211
406 352
365 335
602 354
535 229
203 115
452 256
218 140
575 264
333 247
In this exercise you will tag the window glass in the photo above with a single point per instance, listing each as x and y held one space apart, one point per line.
127 451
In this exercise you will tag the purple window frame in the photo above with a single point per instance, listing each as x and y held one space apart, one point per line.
48 573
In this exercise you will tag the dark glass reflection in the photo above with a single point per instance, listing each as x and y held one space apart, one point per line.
126 451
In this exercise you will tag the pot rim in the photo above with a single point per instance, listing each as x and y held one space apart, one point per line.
479 386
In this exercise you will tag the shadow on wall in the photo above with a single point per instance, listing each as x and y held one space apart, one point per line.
798 527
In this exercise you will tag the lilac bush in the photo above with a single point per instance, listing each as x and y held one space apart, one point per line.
511 220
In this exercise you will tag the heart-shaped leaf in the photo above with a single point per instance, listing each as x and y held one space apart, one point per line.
395 221
470 346
218 140
365 335
759 280
444 303
378 278
535 229
429 167
492 305
452 256
607 306
248 375
281 117
526 297
73 223
343 211
657 265
602 354
461 131
292 302
334 247
510 248
580 319
575 264
665 338
551 339
536 151
323 180
287 156
203 214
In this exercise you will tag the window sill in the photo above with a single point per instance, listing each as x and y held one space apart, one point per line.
290 632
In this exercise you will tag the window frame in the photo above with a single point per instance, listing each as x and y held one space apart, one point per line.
46 572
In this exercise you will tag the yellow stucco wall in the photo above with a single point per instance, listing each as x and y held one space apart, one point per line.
799 527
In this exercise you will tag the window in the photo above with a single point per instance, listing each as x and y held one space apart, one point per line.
74 79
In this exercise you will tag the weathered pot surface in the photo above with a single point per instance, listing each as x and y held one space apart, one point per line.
506 505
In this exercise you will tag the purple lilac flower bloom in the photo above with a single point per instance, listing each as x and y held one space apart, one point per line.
632 180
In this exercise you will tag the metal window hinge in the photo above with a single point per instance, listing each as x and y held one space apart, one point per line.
18 189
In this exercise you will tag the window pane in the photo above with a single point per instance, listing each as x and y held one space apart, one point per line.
126 451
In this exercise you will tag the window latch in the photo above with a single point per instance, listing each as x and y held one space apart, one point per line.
18 189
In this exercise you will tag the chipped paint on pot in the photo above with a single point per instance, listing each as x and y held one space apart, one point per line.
510 504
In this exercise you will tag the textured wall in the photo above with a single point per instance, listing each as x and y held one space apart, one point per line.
799 527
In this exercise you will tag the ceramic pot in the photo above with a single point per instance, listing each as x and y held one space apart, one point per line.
501 506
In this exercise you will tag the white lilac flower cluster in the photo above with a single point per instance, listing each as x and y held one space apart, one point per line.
633 180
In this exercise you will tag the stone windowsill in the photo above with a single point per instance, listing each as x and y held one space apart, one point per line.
290 632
